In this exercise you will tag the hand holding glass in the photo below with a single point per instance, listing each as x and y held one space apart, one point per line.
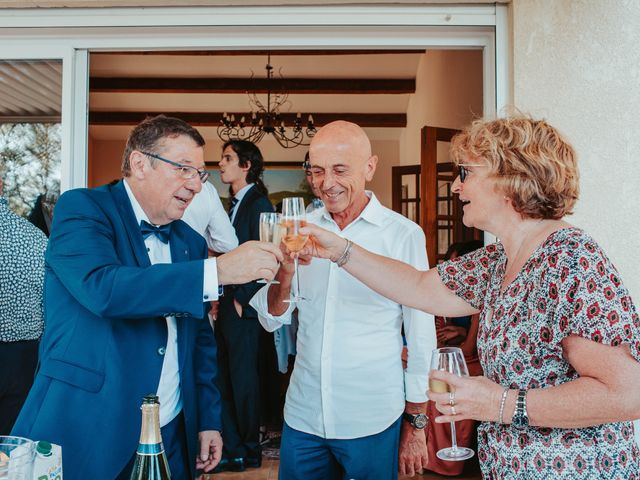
270 231
449 359
293 218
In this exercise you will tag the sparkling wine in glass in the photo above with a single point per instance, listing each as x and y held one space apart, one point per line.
293 218
449 359
270 231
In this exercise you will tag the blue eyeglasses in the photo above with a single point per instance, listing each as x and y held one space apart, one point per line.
186 172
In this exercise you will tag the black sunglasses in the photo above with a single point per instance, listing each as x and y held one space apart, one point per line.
462 171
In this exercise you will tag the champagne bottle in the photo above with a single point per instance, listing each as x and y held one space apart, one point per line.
151 461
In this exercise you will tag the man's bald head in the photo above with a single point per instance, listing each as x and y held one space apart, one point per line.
341 135
340 164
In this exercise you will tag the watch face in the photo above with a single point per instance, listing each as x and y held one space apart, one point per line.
520 421
420 421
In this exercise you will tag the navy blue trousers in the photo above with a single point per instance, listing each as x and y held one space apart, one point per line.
308 457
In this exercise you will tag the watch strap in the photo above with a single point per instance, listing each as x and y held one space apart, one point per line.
520 416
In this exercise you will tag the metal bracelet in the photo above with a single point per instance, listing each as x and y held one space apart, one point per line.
344 258
502 402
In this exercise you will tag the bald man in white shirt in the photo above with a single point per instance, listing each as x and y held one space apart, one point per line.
348 392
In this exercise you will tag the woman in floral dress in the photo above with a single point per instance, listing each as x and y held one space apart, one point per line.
559 336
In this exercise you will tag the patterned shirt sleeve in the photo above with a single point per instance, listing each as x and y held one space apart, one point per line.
592 302
468 276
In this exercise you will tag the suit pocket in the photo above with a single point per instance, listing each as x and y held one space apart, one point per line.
81 377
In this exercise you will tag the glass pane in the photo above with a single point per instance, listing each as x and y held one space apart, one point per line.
409 186
444 198
30 137
444 236
412 212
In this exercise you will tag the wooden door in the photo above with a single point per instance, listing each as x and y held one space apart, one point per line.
440 210
405 191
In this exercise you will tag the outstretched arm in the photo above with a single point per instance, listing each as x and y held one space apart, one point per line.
395 280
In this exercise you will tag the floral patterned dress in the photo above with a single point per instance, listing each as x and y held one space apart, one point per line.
567 287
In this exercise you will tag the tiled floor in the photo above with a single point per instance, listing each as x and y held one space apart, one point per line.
269 471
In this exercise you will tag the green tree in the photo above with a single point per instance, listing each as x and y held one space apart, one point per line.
29 163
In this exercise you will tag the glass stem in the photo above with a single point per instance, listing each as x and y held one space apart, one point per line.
454 442
295 269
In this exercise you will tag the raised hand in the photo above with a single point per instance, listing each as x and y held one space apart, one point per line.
322 243
250 261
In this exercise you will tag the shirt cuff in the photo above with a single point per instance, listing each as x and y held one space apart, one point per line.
210 289
415 387
261 305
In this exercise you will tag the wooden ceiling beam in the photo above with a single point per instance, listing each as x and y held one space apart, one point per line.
212 119
314 86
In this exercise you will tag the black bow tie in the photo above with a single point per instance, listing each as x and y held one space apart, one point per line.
162 232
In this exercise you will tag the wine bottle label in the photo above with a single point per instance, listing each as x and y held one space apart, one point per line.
150 449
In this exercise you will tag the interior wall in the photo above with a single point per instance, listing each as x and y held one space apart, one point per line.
105 159
448 94
388 155
577 65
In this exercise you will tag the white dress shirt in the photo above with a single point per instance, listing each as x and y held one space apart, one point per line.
347 381
206 215
169 386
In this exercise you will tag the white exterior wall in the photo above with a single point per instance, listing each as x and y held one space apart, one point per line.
578 65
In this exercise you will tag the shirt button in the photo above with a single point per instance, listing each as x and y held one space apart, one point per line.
206 297
161 351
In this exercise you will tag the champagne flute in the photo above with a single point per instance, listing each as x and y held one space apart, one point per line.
449 359
270 231
293 218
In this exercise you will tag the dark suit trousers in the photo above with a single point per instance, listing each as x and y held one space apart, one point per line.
238 380
16 381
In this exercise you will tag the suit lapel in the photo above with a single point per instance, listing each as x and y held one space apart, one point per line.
180 253
241 207
132 228
179 248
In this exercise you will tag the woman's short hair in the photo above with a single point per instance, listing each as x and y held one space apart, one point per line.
535 167
147 134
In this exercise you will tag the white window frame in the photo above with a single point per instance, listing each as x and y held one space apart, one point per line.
70 34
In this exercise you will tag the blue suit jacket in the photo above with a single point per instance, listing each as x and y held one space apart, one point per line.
105 334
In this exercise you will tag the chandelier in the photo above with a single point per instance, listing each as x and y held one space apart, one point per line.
267 118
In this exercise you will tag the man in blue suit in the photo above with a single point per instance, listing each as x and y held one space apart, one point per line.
126 287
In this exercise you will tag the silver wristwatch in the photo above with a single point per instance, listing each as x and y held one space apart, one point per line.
418 420
520 419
